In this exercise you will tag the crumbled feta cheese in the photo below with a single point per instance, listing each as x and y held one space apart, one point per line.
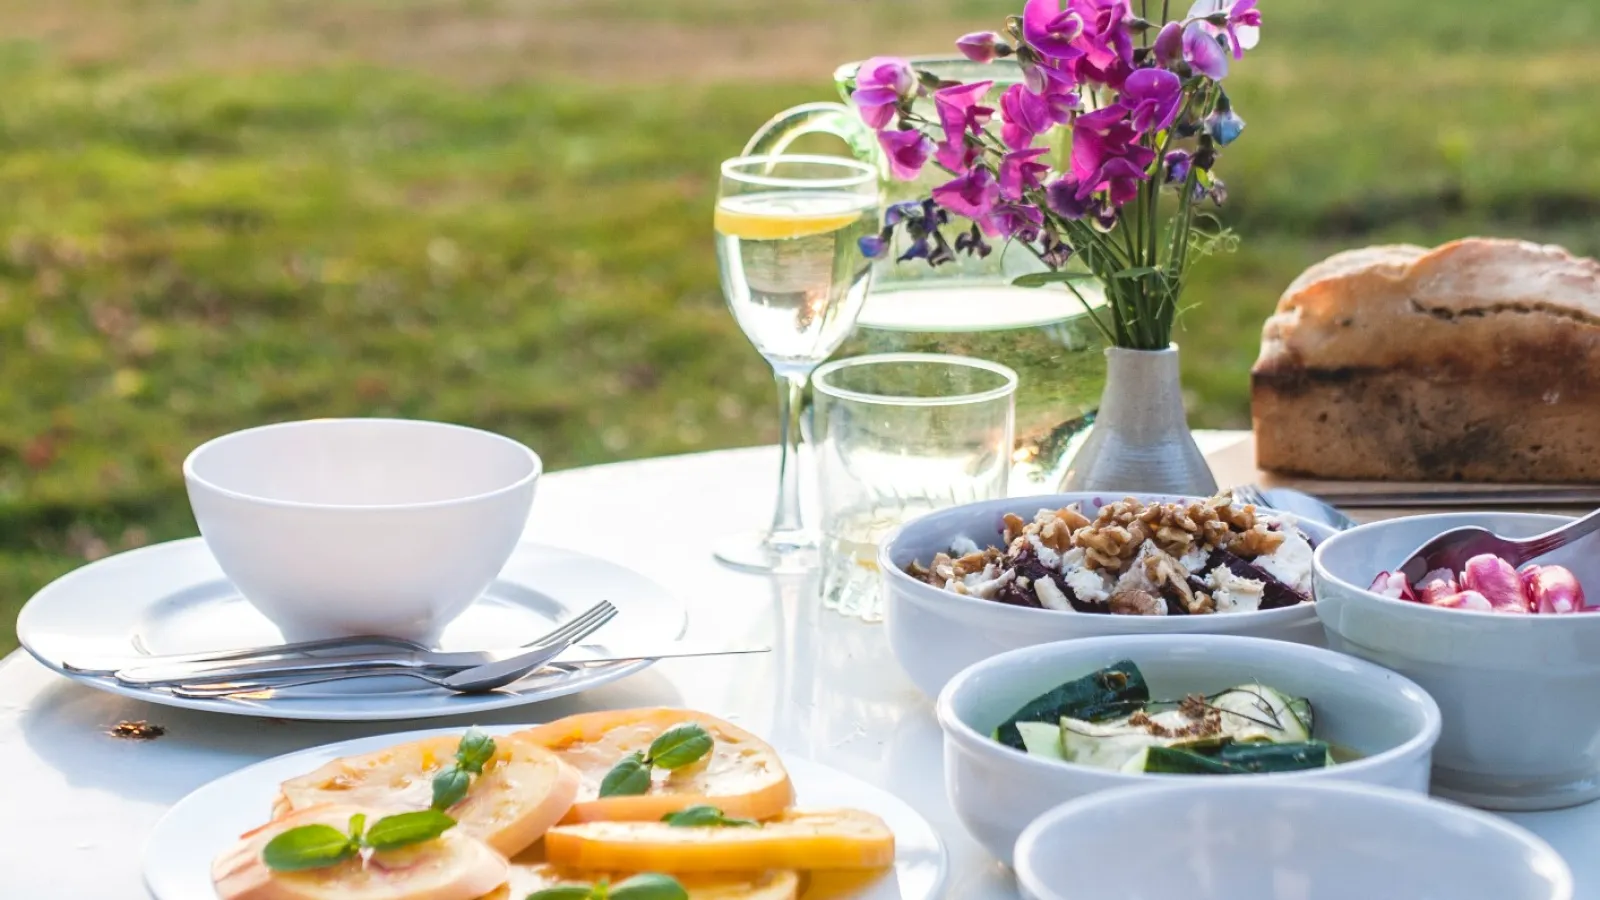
1050 596
1291 562
1195 560
1050 558
1136 579
963 546
1233 593
986 584
1091 585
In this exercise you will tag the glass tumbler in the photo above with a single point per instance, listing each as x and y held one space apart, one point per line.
898 435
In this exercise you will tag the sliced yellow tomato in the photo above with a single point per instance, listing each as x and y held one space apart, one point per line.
741 776
779 885
797 839
524 788
453 866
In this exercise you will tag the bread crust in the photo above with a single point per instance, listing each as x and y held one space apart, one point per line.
1475 361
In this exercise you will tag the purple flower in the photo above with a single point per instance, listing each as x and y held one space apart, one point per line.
957 157
1152 97
1169 44
1051 31
1223 125
971 242
959 111
1178 163
1203 53
1027 114
908 151
1046 77
979 46
881 83
1013 220
1105 40
1061 196
1240 22
1056 252
1019 172
872 246
972 195
1106 155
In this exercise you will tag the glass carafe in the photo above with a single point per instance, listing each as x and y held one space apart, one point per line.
968 307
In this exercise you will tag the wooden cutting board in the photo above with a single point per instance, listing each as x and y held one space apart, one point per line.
1235 463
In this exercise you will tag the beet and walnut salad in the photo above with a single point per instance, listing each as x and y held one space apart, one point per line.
1137 559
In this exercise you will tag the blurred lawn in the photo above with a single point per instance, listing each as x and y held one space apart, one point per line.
496 211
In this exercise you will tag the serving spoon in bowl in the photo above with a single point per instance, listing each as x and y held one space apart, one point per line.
1453 548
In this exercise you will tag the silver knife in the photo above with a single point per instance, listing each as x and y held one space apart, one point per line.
205 673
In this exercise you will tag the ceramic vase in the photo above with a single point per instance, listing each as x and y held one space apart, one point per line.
1141 441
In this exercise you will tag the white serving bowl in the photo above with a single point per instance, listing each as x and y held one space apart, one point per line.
1249 839
935 633
361 526
996 790
1520 694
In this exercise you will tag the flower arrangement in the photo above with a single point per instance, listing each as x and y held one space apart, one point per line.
1148 116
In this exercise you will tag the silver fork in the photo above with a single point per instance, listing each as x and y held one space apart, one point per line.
1299 503
466 681
1452 549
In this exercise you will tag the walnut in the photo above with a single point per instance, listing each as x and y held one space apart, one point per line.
943 568
1237 518
1258 541
972 562
1072 517
1014 526
1137 603
1056 535
1200 604
1105 546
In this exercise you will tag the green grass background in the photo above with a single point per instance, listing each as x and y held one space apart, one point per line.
214 214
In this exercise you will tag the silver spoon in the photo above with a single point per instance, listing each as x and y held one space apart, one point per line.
1452 549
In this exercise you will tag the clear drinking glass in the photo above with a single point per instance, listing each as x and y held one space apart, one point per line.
787 229
898 435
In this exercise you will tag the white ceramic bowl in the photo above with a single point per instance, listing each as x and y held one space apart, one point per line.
996 791
361 526
1520 694
1248 839
935 633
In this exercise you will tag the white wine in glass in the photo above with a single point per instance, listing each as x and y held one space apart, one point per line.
788 231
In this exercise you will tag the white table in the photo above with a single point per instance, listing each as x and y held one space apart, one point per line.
76 805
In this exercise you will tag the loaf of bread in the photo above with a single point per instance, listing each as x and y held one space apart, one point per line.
1475 361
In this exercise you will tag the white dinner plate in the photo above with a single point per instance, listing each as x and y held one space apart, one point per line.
177 860
173 598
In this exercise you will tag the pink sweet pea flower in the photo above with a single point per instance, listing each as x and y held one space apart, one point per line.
1027 114
979 46
1152 97
1241 22
1203 53
972 195
1169 44
1106 155
1019 172
959 111
1013 220
1051 31
957 157
908 152
881 83
1105 39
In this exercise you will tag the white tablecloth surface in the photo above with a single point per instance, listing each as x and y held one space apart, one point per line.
77 805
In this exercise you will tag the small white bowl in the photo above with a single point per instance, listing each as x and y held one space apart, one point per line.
1520 694
1249 839
996 790
361 526
935 633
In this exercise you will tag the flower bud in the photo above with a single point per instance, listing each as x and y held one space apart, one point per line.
1223 125
1014 27
1494 578
1169 44
980 46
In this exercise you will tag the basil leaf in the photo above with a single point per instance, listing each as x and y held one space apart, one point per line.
680 745
402 829
629 777
649 886
705 817
563 892
358 824
1040 279
308 847
475 751
449 787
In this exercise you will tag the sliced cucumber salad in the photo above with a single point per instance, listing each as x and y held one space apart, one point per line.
1107 719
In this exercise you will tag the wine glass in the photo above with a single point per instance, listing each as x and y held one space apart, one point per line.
787 231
